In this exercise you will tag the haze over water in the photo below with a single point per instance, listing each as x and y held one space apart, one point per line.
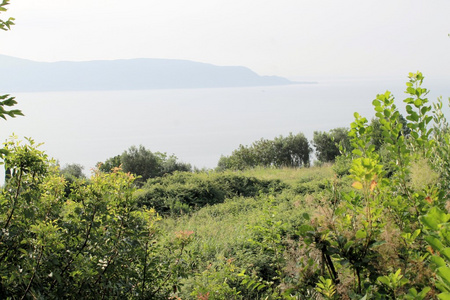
197 125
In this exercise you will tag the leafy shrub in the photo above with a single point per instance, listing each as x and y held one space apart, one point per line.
327 143
289 151
144 163
93 243
342 165
183 192
310 187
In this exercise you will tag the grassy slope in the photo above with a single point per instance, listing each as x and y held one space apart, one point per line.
229 229
218 225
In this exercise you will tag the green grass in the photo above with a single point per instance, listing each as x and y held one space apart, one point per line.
240 227
223 227
291 176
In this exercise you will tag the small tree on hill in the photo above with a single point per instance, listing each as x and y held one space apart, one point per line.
144 163
291 151
327 143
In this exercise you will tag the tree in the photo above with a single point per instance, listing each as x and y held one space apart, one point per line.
291 151
110 164
327 143
73 171
377 133
93 243
144 163
7 100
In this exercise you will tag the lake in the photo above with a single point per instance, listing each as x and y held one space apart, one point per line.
197 125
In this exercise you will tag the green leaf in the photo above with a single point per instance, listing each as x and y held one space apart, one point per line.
305 216
357 152
379 109
376 103
361 234
434 243
304 229
438 261
413 294
444 274
424 292
384 280
444 296
411 91
357 185
434 217
446 253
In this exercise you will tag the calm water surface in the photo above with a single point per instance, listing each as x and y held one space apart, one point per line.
197 125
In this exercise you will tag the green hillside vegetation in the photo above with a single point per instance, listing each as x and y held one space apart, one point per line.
371 225
143 162
369 222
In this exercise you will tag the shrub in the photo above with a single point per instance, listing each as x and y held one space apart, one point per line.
184 192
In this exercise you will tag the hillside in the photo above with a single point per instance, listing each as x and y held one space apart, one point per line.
374 225
20 75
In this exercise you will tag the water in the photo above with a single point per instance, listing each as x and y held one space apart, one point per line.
197 125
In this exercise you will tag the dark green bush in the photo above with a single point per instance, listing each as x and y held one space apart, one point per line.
184 192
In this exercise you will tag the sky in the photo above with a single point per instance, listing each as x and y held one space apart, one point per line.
297 39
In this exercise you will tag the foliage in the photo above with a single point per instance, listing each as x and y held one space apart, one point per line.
72 171
342 165
72 174
110 164
217 281
94 243
5 25
326 287
377 133
184 192
144 163
436 223
327 144
290 151
378 229
7 100
368 233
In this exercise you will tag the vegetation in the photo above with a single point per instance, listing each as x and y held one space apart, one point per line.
144 163
187 192
375 225
7 100
72 171
5 25
327 143
290 151
378 230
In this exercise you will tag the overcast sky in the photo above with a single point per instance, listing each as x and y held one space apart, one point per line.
291 38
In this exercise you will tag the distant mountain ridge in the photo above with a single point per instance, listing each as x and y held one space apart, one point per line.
21 75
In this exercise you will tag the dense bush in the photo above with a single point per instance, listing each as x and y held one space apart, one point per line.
384 236
290 151
183 192
92 243
327 143
374 239
379 233
144 163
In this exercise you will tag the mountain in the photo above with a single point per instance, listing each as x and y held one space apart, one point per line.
21 75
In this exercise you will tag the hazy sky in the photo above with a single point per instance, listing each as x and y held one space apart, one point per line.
292 38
